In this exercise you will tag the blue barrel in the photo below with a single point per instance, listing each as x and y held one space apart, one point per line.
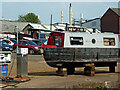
4 70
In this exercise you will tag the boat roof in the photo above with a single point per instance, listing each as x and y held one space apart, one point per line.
85 33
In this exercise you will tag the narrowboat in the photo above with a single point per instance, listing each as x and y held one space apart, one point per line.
75 49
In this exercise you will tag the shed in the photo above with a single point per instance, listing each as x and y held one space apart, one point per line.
110 21
38 31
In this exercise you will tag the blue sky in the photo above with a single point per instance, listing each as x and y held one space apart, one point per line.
90 10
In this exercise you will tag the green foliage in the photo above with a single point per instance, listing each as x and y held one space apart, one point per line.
30 17
101 86
15 86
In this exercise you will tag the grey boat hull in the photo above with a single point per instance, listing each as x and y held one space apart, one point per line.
77 57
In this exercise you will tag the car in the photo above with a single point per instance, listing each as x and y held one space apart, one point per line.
5 47
42 43
13 40
33 48
38 41
8 41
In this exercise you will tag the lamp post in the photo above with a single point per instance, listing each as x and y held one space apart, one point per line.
22 71
16 27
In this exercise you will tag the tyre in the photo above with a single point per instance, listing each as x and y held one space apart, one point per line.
31 51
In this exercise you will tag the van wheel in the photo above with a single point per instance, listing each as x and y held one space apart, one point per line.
31 51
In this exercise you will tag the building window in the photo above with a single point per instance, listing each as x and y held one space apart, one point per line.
5 26
109 41
76 40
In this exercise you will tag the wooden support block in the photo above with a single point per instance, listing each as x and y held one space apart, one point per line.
89 69
60 72
89 64
89 73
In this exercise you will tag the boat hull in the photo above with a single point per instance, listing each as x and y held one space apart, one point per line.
77 57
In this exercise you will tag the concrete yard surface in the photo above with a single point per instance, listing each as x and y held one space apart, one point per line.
43 76
50 80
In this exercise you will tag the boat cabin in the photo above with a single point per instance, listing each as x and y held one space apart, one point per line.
83 40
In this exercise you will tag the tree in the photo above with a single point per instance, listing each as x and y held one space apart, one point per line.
30 17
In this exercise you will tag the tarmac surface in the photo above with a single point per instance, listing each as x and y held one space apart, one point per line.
43 76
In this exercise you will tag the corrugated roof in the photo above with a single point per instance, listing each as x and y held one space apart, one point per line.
9 26
116 10
90 20
60 27
48 27
37 26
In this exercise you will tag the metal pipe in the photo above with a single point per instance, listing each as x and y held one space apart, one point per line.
17 37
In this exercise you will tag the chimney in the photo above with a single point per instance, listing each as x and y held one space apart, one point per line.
81 18
62 16
51 23
70 15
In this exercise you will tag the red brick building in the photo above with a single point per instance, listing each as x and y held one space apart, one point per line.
110 21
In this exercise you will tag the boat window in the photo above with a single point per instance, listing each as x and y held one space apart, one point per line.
93 41
81 29
57 40
76 40
70 29
78 29
74 30
109 41
119 39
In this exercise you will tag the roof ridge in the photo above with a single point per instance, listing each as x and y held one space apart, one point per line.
116 10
